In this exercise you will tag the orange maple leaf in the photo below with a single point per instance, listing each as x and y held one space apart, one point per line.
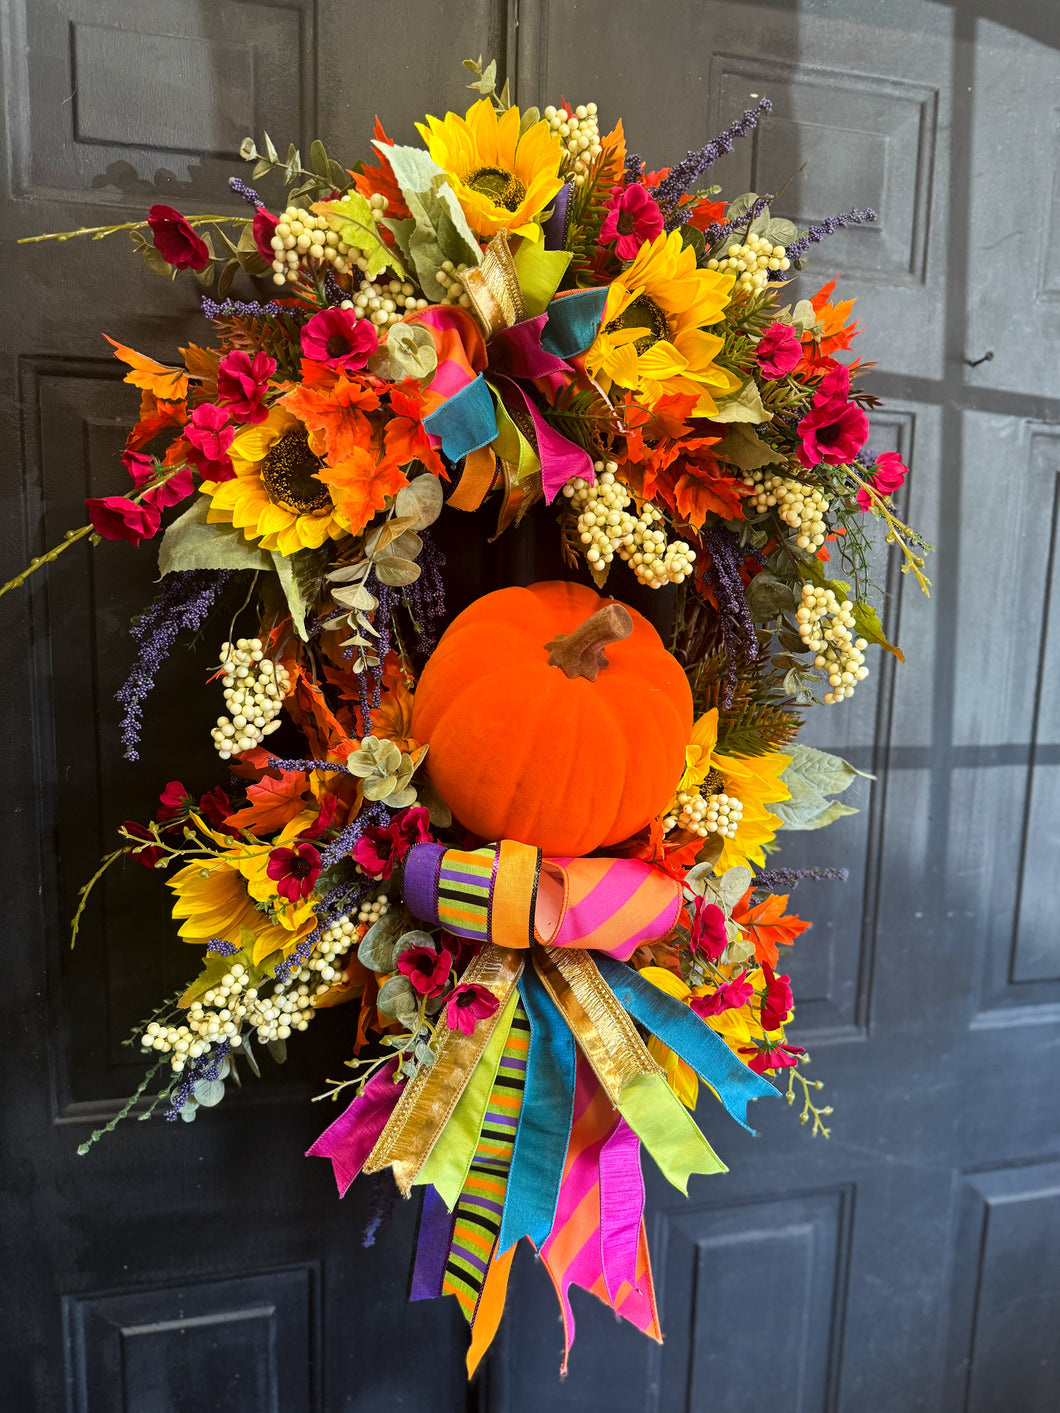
171 384
405 439
336 420
392 718
767 925
155 416
273 803
359 485
380 178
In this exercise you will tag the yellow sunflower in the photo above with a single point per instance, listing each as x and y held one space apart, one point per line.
501 179
275 495
652 338
752 780
230 896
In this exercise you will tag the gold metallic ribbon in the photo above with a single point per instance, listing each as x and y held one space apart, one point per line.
428 1101
493 288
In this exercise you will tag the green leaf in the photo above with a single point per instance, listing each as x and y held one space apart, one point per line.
768 597
811 777
437 229
190 543
411 353
379 945
270 149
154 260
318 160
744 406
277 1050
740 205
301 576
810 814
421 500
741 446
693 236
351 217
396 572
397 999
228 274
778 231
208 1092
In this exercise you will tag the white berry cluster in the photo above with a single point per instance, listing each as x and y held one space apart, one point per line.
384 304
302 238
751 262
606 528
254 689
580 133
705 814
801 506
231 1005
369 913
447 277
839 653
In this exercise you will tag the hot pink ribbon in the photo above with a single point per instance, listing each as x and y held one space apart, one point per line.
353 1135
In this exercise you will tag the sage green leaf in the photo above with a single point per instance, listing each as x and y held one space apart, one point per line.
278 1051
301 576
778 231
208 1092
807 815
188 1112
768 597
740 205
440 814
437 229
379 946
742 446
828 774
407 546
397 1000
396 572
744 406
190 543
351 217
421 500
411 353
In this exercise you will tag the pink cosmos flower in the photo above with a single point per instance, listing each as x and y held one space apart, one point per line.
779 351
210 434
834 430
264 229
143 468
772 1057
174 802
633 217
380 850
467 1005
426 969
729 996
117 518
888 475
708 929
294 871
338 339
241 384
175 239
778 1000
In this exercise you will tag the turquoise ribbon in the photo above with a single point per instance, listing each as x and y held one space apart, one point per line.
544 1121
573 322
682 1031
466 421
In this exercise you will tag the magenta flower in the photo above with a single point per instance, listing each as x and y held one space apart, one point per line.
175 239
708 929
294 871
426 969
174 802
888 475
834 430
779 351
241 384
339 340
729 996
140 467
772 1057
632 219
778 1000
264 229
148 853
380 850
215 807
467 1005
210 434
116 518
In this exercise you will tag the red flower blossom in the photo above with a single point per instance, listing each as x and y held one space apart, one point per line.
140 466
294 871
148 855
778 1000
888 475
210 434
633 217
325 818
264 228
381 849
172 491
174 802
772 1057
708 929
779 351
338 339
241 384
175 239
834 430
116 518
467 1005
215 807
729 996
426 969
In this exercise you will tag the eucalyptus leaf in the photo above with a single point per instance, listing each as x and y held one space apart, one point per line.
278 1050
407 546
387 533
742 446
188 1112
743 406
410 353
398 1000
208 1092
191 543
768 597
396 572
379 947
248 1054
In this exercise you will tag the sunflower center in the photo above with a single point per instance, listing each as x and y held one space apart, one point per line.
288 475
642 313
502 188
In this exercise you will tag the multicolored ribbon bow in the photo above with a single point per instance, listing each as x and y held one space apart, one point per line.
532 1125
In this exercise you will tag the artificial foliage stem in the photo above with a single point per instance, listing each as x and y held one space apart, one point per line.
581 653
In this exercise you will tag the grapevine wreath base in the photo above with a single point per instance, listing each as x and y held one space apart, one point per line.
523 869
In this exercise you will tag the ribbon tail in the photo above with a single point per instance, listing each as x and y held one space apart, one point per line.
667 1130
621 1211
350 1139
544 1123
432 1247
682 1031
480 468
561 459
464 422
490 1308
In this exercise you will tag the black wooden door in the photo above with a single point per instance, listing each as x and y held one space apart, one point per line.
909 1263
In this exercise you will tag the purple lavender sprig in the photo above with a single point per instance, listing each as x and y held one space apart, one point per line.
687 172
798 248
789 878
633 171
737 625
248 193
249 308
425 599
183 604
714 232
221 947
207 1066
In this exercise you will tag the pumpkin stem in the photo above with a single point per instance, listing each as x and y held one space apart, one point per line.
581 653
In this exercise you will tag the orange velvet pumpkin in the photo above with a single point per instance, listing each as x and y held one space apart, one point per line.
527 750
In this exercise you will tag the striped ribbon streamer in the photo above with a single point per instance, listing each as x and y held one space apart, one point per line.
481 1204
